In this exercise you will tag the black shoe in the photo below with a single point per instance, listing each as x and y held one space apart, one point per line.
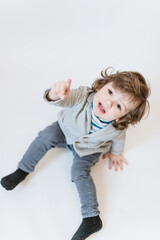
88 226
11 181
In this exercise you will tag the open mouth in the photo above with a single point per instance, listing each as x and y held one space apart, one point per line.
101 107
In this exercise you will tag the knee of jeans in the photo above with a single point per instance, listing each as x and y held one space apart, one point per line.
79 172
47 135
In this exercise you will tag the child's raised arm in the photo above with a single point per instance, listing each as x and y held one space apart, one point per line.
59 90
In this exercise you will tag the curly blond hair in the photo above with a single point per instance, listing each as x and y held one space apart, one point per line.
132 83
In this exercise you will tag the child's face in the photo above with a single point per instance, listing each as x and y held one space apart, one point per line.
110 104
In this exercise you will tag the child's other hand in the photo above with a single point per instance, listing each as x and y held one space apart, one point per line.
117 161
60 90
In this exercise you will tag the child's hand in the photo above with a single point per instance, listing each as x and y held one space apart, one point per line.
60 90
117 161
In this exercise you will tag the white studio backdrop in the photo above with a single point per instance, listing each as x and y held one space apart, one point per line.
42 42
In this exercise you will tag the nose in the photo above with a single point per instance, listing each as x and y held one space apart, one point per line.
109 103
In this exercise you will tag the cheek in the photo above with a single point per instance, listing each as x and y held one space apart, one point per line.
95 103
116 113
122 115
96 99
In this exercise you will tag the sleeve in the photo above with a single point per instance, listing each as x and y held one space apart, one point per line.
75 96
118 143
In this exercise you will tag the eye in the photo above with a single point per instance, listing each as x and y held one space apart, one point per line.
110 92
119 106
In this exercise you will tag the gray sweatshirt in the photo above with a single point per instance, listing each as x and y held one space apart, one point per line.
75 121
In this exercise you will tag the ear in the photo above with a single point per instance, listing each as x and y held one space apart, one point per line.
117 119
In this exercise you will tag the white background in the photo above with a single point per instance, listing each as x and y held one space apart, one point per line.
44 41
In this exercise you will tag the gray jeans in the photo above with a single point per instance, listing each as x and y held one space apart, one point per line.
51 137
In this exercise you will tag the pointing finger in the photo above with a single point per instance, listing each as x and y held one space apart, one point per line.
68 84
